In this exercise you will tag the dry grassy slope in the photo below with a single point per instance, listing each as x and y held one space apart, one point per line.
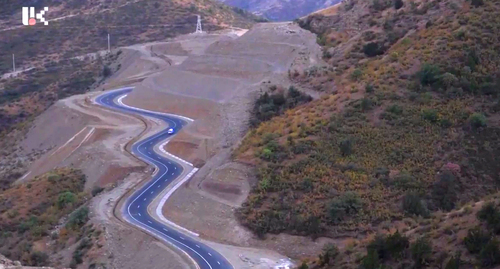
29 211
386 129
29 94
128 22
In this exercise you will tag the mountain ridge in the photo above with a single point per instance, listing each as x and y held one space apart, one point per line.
281 10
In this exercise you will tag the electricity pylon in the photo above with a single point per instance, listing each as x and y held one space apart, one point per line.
198 26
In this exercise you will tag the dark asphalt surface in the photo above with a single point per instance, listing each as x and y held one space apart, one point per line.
167 171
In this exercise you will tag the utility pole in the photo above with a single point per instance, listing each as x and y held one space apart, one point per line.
109 44
198 25
13 63
206 149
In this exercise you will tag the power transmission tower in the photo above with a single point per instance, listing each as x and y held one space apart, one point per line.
198 26
109 44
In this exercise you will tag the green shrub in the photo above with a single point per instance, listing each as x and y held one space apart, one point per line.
413 205
396 244
372 49
477 3
475 240
393 246
80 251
38 258
346 147
330 252
96 190
395 109
307 184
491 215
398 4
378 246
366 104
302 147
444 191
404 180
371 260
66 198
429 74
273 152
369 88
304 265
380 5
268 106
106 71
348 203
430 115
454 262
477 120
356 74
78 218
449 80
490 254
28 224
421 252
445 123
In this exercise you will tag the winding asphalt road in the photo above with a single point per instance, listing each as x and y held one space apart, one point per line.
136 207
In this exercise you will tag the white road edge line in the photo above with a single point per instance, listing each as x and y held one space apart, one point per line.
149 111
162 149
148 228
164 199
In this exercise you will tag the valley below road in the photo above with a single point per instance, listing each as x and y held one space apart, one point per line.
211 78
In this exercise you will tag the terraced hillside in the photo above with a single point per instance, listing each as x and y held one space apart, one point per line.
57 60
408 129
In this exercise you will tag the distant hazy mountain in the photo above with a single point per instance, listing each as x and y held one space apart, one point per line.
281 10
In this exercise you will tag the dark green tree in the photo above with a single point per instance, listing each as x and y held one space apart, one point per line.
398 4
421 252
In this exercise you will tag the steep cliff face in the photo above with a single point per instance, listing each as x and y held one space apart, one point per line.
281 10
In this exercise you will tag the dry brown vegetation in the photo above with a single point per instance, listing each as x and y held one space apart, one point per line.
128 22
26 96
33 214
410 128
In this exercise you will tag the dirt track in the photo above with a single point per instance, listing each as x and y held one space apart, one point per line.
211 78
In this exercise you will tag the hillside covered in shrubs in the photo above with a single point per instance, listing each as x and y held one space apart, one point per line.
408 132
32 214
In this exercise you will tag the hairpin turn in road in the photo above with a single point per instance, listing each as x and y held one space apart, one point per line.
136 207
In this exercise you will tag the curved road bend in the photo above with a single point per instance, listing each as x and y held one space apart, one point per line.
136 206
